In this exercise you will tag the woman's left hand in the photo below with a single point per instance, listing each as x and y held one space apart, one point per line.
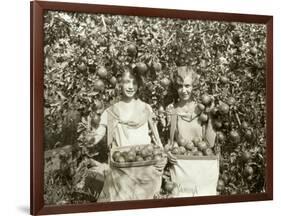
160 165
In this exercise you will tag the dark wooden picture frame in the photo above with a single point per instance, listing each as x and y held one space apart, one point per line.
37 100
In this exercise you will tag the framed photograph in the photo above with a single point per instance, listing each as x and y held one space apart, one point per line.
142 108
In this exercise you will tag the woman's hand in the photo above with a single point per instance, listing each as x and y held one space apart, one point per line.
90 141
160 165
96 136
171 158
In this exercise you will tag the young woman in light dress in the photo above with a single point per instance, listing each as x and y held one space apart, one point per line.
186 126
127 123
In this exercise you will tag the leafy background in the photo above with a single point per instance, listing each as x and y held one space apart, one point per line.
84 54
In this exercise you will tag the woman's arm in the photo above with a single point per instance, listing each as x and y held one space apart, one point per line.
156 134
210 133
153 126
98 133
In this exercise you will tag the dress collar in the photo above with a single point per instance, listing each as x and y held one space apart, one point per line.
187 114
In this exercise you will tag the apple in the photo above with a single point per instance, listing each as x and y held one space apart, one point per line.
201 107
132 50
95 119
194 149
131 153
248 134
208 152
224 108
248 171
148 158
202 145
245 125
144 152
182 150
225 178
189 145
253 50
157 157
169 186
234 136
203 117
250 178
220 136
130 158
220 185
246 156
149 149
141 68
120 159
113 81
82 67
98 104
231 101
119 29
157 152
214 111
224 79
102 72
161 110
196 140
139 158
217 124
116 155
175 151
208 110
99 85
157 66
181 141
165 82
206 100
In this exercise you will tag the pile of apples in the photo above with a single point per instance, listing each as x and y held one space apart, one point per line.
138 154
196 147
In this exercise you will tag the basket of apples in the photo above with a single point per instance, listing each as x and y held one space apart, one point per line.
197 149
136 155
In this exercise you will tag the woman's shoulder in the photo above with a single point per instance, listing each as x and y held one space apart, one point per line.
112 109
107 109
144 104
176 107
145 108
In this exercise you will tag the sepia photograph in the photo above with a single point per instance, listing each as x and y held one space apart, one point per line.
145 108
140 108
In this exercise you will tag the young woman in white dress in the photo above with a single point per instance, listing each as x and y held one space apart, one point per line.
186 126
127 123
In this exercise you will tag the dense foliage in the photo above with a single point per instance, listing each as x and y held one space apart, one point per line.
84 54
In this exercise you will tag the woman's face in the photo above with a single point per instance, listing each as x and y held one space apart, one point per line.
185 89
129 85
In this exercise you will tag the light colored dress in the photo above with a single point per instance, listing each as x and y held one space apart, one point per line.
193 177
188 125
132 183
130 130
